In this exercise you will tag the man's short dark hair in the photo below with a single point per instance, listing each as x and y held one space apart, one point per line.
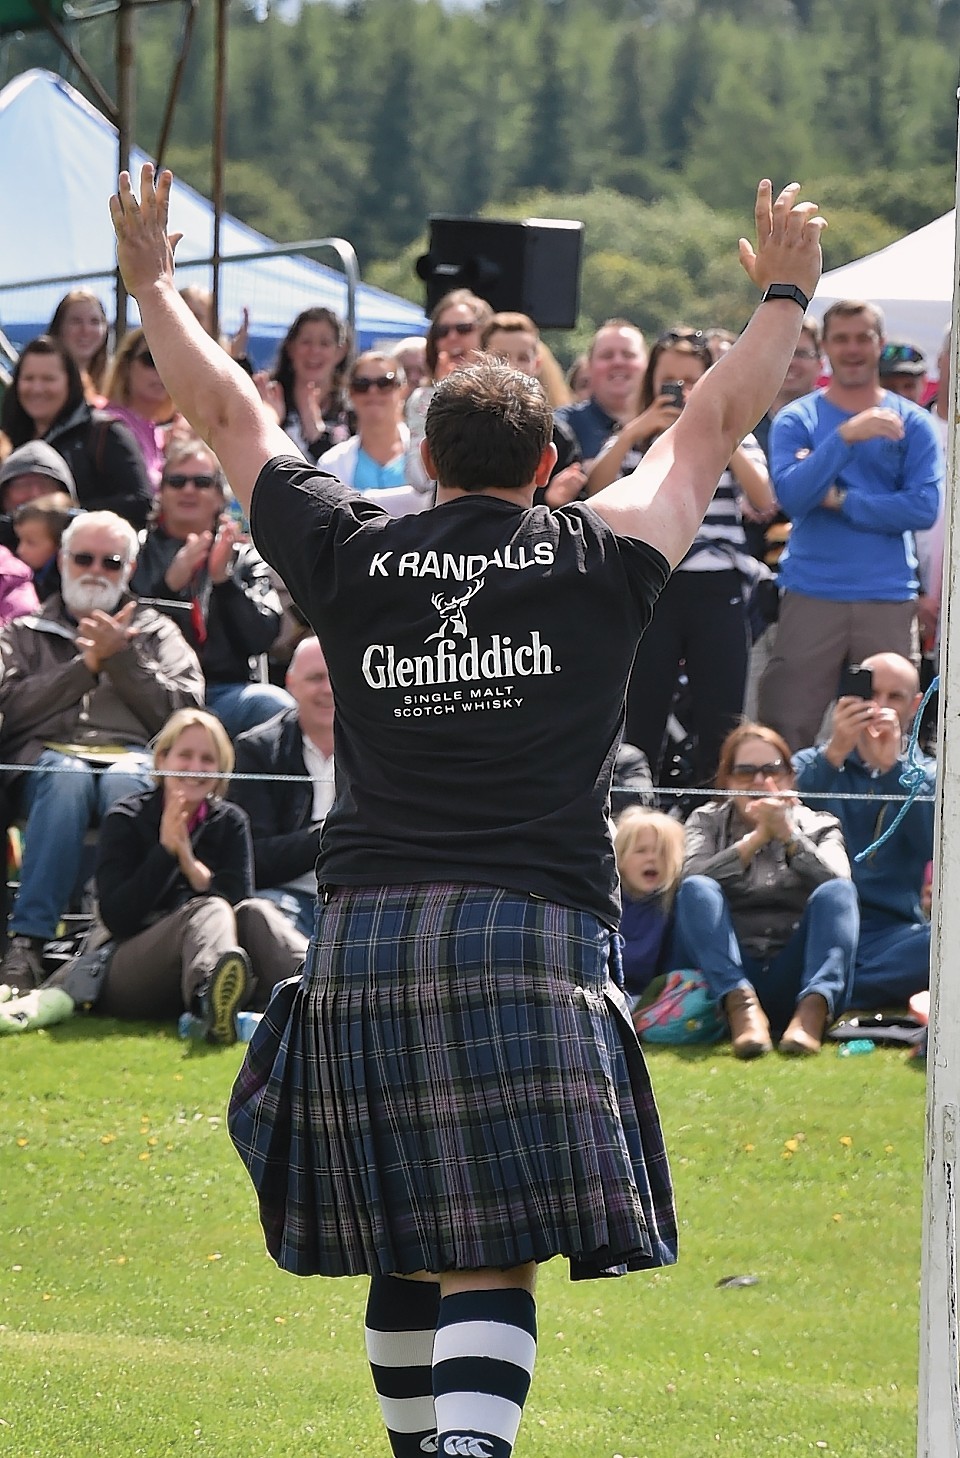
488 425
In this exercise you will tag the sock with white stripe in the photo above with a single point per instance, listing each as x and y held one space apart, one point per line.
399 1329
482 1365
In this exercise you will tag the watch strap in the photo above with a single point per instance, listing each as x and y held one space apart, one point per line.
786 291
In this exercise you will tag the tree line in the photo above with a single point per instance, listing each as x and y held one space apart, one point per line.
649 119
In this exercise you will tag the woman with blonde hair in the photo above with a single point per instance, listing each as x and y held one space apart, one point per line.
175 886
137 396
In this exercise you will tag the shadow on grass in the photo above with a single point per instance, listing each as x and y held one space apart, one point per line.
87 1029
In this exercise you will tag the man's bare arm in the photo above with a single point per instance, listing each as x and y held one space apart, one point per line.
217 397
664 499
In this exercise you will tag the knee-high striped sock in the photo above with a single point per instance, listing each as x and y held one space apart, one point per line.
399 1329
482 1364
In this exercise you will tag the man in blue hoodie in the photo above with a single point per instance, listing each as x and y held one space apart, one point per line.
858 470
864 756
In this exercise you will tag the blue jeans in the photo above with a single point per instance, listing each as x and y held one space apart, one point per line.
818 957
893 962
241 706
60 807
299 907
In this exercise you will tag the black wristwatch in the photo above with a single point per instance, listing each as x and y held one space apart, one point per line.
787 291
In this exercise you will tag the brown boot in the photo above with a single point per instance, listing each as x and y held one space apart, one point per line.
807 1026
749 1029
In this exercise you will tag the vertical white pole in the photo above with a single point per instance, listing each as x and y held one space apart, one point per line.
938 1432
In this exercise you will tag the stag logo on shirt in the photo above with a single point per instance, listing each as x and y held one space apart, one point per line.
453 612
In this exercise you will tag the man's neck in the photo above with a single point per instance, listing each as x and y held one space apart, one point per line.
855 398
517 496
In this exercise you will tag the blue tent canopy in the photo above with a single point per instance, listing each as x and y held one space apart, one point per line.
58 162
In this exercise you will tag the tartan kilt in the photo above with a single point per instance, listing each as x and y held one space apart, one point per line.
454 1083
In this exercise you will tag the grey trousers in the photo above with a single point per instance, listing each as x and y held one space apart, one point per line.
156 974
814 639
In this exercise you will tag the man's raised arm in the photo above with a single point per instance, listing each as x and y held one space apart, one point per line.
664 500
216 396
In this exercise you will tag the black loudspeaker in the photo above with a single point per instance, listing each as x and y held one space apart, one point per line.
531 266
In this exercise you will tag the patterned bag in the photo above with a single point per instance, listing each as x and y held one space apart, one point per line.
678 1008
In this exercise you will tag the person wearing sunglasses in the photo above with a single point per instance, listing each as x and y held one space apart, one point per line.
46 402
453 340
86 684
460 998
195 566
137 396
903 371
766 908
375 458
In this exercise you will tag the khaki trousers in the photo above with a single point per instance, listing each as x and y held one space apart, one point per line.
815 638
156 974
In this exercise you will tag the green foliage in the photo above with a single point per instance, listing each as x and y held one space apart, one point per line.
140 1315
362 118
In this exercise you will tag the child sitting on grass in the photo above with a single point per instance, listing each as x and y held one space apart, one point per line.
649 851
39 525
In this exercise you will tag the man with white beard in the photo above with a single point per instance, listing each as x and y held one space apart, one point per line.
87 683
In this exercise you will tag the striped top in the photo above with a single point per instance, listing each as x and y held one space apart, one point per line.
722 523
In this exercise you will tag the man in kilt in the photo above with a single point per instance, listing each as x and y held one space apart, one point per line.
451 1093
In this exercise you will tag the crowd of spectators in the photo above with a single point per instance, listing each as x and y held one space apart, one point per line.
130 592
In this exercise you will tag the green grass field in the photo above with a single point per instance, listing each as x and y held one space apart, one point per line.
140 1315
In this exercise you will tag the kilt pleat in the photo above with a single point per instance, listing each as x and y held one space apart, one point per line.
452 1084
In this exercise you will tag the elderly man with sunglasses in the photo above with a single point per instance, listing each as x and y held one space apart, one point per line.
87 682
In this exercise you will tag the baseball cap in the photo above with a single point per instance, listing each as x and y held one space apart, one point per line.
36 458
902 359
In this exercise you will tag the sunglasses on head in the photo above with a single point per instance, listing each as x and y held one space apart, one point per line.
900 354
745 773
440 331
113 563
363 383
177 481
694 338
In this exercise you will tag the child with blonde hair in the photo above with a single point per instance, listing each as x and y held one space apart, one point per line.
649 850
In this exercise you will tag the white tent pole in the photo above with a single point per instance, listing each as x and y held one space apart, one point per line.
938 1429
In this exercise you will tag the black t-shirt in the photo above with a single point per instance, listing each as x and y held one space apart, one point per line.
479 655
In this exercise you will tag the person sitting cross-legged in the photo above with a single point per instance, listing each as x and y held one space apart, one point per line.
86 684
286 817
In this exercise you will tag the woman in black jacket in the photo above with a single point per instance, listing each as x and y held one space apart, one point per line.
175 886
45 401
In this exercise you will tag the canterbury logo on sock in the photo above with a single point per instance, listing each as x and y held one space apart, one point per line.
467 1447
429 1443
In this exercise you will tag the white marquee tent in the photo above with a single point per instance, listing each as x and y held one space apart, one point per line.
58 162
911 280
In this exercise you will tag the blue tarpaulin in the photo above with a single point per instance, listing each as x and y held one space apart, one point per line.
58 165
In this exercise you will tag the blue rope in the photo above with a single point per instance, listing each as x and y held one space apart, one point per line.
914 777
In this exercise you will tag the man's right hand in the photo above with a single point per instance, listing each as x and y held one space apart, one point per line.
851 716
873 424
